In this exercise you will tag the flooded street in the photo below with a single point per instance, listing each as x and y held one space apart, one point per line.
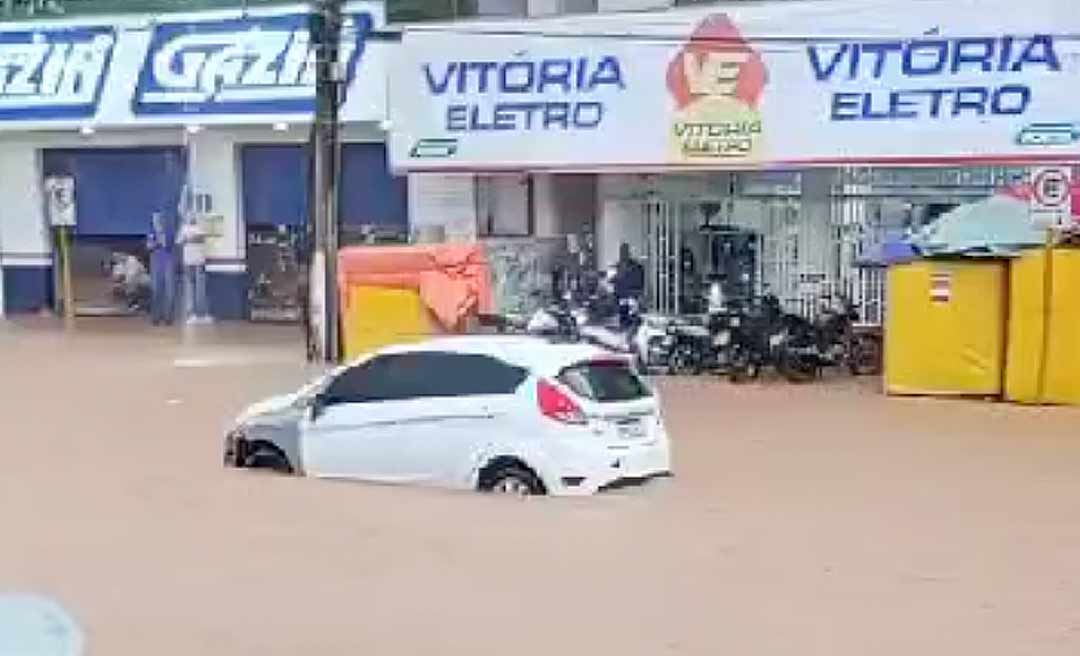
802 520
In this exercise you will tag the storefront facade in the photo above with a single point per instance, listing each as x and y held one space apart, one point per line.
772 145
148 113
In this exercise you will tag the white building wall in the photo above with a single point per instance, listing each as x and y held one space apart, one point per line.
25 243
443 203
213 162
503 205
24 235
564 203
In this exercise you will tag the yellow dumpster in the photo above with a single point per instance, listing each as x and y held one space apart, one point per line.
945 327
375 317
398 294
1029 317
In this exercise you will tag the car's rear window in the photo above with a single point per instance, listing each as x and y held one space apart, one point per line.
604 382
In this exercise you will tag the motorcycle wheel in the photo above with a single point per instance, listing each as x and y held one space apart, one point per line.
743 368
683 362
864 356
796 369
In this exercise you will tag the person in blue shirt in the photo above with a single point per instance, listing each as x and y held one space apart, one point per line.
160 245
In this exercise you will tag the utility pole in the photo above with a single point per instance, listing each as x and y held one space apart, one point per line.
326 156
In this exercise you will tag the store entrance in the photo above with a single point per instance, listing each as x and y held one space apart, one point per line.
117 191
688 247
275 213
372 209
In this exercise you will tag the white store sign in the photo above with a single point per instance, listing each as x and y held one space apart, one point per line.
207 67
937 81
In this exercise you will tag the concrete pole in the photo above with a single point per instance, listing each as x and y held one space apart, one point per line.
326 146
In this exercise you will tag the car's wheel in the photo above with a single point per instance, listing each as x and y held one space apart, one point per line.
512 480
260 455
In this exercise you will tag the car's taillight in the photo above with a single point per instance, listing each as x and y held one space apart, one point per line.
557 405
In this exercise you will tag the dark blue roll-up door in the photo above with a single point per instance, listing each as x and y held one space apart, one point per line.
275 180
370 195
117 190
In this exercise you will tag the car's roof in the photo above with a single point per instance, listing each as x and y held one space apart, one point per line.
540 355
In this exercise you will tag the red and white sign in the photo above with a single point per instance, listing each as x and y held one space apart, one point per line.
941 287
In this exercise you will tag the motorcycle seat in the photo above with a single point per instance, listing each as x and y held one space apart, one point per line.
691 330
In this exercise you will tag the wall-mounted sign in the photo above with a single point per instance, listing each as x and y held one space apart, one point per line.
60 200
848 81
242 66
53 73
940 287
1051 195
213 68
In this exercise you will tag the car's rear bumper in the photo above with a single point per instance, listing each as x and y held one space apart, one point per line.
599 467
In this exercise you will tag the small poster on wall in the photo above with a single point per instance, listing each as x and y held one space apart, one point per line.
214 227
60 200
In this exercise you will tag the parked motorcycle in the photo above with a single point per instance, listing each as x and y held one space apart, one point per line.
757 338
829 341
691 347
843 345
654 343
555 320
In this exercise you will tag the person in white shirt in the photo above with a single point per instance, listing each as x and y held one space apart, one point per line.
193 239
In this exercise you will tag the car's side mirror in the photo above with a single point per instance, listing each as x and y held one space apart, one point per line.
318 405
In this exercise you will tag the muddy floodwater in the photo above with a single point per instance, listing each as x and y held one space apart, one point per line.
823 519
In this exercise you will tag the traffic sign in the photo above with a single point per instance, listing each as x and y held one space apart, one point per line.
1051 195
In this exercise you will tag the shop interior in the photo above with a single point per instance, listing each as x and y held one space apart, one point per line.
766 234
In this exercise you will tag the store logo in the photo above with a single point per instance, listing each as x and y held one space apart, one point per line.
716 81
255 66
434 149
53 74
1048 134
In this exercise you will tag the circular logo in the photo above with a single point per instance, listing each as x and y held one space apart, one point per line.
1051 187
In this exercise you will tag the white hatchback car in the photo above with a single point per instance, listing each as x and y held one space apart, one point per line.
517 415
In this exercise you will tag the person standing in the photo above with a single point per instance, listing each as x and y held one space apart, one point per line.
629 283
159 243
629 275
193 238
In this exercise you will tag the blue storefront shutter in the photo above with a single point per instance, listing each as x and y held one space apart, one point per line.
117 190
369 194
275 179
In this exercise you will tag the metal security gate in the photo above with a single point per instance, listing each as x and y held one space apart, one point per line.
820 234
662 247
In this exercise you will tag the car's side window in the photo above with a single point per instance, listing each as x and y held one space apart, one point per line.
356 384
424 374
466 374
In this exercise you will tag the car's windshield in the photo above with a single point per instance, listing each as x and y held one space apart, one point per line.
604 381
